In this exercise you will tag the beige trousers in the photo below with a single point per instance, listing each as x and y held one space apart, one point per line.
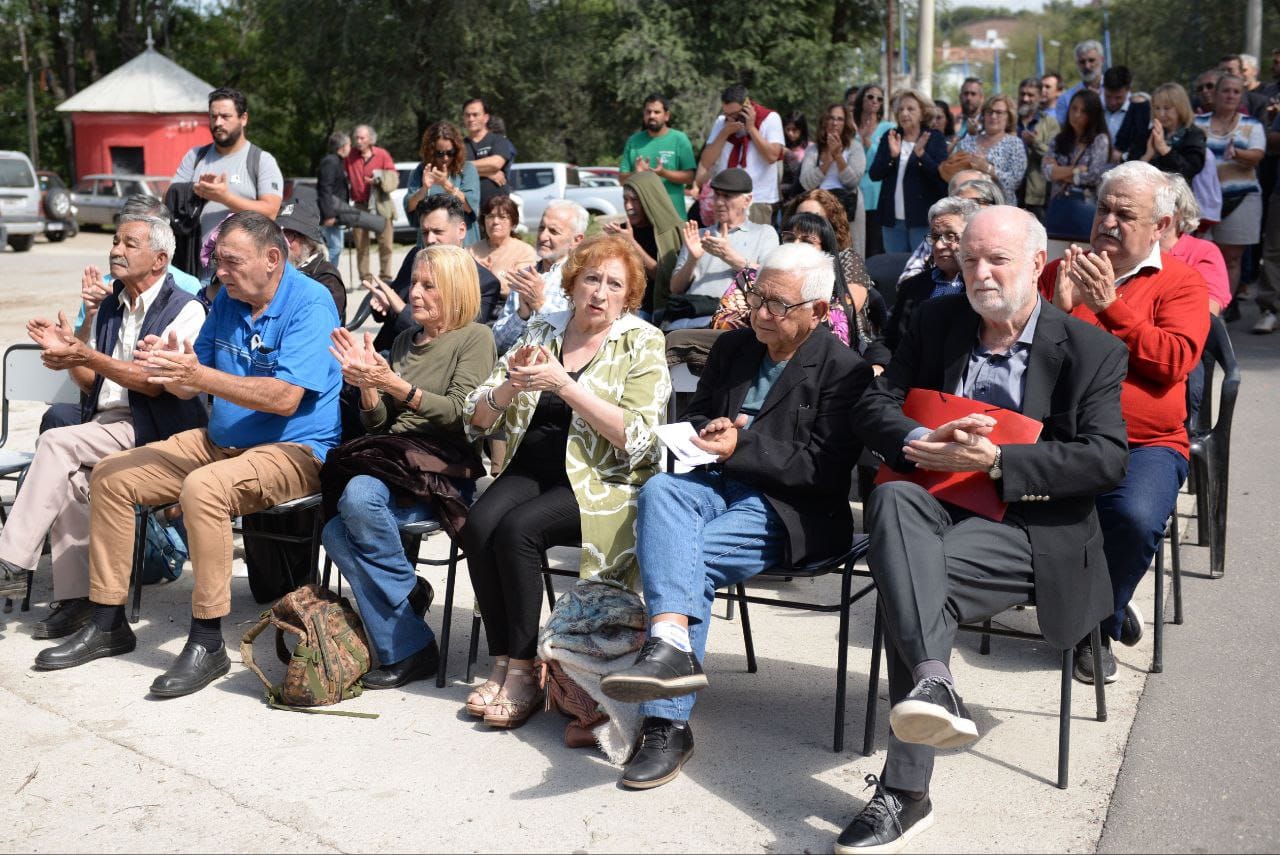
54 500
212 484
384 252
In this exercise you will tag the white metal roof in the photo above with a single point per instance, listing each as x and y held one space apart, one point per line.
148 83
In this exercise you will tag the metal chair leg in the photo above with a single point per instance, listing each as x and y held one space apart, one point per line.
747 639
1157 655
473 651
873 688
1099 686
984 646
1176 548
327 574
1064 715
447 623
842 659
728 609
139 550
26 600
316 526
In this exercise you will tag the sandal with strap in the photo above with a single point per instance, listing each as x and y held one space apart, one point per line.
507 712
484 694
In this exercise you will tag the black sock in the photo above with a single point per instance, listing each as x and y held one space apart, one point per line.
207 632
107 618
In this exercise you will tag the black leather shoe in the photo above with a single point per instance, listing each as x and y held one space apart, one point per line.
418 666
886 823
66 617
421 596
13 580
195 668
87 644
661 670
1131 626
933 714
1083 670
662 751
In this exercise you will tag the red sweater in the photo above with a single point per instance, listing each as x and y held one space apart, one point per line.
1162 316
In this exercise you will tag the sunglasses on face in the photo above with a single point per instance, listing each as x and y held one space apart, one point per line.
447 152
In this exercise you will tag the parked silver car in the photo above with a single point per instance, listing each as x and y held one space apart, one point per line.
19 200
98 198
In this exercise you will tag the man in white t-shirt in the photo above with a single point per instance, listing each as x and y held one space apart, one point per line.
232 174
746 136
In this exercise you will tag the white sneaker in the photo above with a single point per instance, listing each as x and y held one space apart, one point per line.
1266 324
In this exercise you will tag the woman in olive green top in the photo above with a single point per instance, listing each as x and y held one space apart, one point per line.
579 396
421 391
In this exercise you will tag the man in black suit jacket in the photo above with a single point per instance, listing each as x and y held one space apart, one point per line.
936 565
773 406
1119 105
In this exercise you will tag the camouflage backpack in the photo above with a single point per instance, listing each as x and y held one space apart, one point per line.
329 659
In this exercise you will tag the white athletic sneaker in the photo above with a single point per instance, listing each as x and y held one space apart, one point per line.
1266 324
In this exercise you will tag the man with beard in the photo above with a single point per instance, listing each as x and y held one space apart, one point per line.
1037 127
1089 61
232 174
660 149
536 289
971 98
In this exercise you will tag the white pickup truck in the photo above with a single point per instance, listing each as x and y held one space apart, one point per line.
540 183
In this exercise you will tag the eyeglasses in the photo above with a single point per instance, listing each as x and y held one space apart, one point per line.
949 238
870 97
448 152
996 112
772 305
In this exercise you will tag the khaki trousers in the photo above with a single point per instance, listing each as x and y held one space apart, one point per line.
212 484
384 251
54 500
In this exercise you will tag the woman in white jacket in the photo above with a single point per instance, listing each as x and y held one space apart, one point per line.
835 162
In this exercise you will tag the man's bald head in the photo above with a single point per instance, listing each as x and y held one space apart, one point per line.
1002 252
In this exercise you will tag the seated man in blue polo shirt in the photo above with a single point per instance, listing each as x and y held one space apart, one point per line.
263 357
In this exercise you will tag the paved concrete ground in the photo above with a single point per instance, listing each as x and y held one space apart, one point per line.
94 763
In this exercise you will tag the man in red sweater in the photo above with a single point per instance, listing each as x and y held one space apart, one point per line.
1159 308
366 167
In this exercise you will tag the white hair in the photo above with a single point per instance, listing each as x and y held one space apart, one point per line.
373 135
1088 45
1248 60
578 216
815 268
954 206
160 237
1142 174
1186 209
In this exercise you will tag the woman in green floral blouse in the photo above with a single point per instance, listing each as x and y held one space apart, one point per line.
578 396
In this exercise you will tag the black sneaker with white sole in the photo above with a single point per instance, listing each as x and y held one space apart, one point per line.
661 670
1083 670
933 714
1131 626
887 822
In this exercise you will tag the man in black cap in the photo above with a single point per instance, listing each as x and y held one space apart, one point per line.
712 257
300 220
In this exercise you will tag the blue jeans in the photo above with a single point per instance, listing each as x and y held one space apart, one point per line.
695 533
900 237
1133 517
334 236
364 542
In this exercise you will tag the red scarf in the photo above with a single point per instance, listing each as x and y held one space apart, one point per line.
738 145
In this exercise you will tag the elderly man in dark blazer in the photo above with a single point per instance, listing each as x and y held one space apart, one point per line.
773 405
937 566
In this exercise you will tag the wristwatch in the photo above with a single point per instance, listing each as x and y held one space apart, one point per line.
995 472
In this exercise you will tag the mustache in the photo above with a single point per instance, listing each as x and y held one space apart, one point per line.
1114 234
118 260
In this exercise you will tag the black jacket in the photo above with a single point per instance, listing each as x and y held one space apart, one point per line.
1136 124
798 450
319 269
393 325
911 293
332 190
1073 387
921 183
1186 151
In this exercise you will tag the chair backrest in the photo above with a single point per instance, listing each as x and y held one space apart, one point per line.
884 270
1218 347
363 311
26 379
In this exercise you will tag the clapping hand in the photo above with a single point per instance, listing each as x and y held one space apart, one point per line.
378 301
211 187
922 142
717 242
170 362
1155 142
536 369
957 446
92 289
693 240
1093 279
619 227
362 365
895 142
720 436
58 343
531 287
642 165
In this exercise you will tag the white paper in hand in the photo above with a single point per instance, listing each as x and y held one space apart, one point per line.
678 438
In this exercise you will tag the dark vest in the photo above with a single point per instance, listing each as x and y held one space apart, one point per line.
166 414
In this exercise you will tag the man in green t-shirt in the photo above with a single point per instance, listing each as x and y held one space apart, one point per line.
660 149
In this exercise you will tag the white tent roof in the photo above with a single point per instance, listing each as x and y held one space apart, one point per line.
148 83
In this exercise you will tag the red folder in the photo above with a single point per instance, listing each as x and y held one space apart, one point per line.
973 491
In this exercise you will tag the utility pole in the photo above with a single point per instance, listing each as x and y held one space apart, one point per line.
1253 28
889 13
32 140
924 48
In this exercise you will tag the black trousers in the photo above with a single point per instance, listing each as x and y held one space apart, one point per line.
935 568
507 529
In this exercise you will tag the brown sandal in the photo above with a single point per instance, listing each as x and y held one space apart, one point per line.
484 694
508 713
